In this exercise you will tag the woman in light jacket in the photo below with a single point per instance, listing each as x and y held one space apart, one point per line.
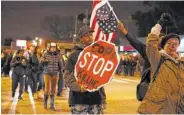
166 92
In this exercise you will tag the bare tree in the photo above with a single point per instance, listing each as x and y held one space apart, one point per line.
59 27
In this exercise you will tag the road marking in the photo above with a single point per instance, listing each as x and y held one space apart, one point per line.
131 80
120 81
14 104
31 99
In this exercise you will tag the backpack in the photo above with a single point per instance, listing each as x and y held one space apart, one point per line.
142 87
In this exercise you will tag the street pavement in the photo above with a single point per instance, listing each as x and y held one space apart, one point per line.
120 92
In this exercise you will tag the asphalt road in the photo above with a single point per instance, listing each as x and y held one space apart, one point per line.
121 99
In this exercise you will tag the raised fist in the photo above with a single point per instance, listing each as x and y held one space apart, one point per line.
165 19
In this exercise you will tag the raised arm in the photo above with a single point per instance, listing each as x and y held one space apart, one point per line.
152 43
139 46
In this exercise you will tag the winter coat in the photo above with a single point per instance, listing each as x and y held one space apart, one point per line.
36 66
53 65
19 68
166 94
75 94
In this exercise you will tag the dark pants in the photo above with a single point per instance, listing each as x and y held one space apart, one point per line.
132 71
35 79
28 79
126 70
6 70
119 69
15 80
41 82
60 83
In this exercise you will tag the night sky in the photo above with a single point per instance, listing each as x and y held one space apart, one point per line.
23 18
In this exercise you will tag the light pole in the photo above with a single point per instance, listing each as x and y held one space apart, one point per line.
75 34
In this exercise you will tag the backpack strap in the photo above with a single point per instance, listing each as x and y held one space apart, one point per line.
158 68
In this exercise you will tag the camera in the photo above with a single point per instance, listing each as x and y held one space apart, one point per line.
18 58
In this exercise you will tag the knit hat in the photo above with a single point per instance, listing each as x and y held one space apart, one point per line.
167 37
84 30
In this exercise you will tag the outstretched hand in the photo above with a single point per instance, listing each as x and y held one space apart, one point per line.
122 28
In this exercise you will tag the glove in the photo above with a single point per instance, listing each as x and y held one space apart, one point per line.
165 19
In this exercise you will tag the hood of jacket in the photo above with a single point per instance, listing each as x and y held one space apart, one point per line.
163 53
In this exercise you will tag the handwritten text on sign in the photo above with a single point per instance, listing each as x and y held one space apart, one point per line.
96 65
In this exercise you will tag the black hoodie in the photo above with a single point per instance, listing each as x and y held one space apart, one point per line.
77 97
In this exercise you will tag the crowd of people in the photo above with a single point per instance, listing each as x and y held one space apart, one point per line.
129 64
48 70
36 69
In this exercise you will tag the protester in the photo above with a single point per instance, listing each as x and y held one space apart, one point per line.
36 71
3 61
133 63
61 84
19 64
6 66
80 100
141 48
52 66
27 55
166 91
120 66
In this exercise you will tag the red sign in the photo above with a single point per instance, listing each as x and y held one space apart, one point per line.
96 65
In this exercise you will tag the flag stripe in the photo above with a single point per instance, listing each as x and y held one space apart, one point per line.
98 34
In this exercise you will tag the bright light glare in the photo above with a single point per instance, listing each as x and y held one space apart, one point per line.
21 43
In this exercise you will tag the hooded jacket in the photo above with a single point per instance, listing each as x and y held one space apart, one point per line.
75 95
166 94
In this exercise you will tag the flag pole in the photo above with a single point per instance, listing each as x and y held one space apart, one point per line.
111 8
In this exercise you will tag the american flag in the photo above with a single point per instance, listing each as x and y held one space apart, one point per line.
106 19
103 21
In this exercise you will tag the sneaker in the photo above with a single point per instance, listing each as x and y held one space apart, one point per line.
13 95
20 98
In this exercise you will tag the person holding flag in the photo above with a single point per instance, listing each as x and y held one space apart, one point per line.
80 100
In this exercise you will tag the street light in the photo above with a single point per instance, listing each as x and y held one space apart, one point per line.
34 43
74 38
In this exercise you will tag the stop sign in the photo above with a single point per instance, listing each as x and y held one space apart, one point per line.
96 65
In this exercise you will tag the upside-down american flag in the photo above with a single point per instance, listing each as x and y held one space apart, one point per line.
103 21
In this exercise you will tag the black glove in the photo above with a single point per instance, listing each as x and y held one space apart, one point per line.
165 20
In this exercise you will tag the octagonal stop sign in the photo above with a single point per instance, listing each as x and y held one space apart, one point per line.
96 65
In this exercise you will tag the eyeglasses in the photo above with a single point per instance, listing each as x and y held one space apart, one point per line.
173 44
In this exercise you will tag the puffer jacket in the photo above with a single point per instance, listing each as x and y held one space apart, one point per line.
166 94
53 65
